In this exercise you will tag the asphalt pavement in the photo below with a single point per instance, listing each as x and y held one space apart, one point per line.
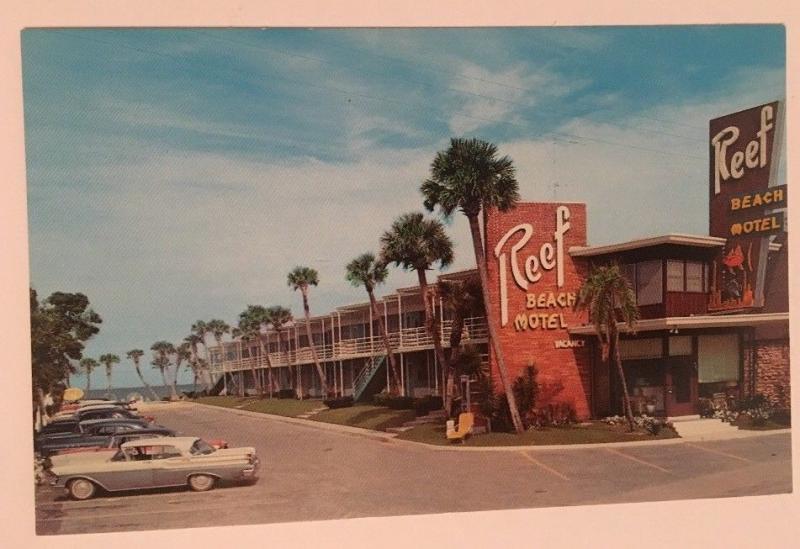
310 473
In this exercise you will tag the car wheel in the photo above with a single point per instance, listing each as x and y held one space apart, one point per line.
81 489
201 483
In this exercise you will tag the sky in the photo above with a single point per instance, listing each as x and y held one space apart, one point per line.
179 174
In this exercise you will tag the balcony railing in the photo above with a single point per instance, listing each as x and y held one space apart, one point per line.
407 340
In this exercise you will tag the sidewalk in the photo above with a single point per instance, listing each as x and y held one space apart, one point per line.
391 437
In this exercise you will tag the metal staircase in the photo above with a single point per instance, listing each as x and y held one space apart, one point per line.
361 381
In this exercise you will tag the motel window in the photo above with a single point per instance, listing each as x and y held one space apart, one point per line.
648 282
717 358
694 277
675 275
680 345
633 349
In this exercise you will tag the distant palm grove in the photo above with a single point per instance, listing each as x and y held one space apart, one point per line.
468 177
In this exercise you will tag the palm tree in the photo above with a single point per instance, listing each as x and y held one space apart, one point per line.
219 328
251 321
135 355
195 362
301 278
608 297
182 353
163 350
200 329
366 271
416 243
469 177
108 360
278 318
88 365
462 297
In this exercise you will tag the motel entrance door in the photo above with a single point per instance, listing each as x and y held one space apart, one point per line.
681 387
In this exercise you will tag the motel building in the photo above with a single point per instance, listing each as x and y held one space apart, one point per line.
713 308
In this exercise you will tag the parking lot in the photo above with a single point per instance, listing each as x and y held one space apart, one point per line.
309 473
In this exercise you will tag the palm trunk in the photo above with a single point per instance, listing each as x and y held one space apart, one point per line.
480 259
323 380
455 351
194 381
384 334
164 377
88 382
108 378
265 354
626 401
222 363
141 377
206 375
431 322
174 386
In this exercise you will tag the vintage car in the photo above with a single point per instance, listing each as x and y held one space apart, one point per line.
101 443
95 434
79 428
153 463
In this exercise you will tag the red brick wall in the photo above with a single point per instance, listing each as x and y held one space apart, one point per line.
564 373
772 371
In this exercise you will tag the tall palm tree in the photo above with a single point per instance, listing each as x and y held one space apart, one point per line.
416 243
366 271
183 354
463 298
218 328
88 365
200 329
163 350
278 318
301 278
469 177
108 360
195 362
251 320
608 297
135 355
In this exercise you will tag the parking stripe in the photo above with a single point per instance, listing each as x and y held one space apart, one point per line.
637 460
543 466
719 452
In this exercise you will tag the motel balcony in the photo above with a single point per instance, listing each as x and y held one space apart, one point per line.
475 331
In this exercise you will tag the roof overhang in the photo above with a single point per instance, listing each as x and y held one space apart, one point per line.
693 322
694 241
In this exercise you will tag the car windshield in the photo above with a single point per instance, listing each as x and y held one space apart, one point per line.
201 447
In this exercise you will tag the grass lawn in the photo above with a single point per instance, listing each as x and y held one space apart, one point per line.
279 406
594 432
366 416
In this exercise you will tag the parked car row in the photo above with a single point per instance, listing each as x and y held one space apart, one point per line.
121 450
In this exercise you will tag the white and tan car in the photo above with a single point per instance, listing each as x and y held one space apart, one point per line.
154 463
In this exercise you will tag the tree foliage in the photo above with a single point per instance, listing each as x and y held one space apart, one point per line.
60 327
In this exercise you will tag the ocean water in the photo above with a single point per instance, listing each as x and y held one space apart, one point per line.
122 393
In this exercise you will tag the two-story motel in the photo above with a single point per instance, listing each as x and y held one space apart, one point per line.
713 308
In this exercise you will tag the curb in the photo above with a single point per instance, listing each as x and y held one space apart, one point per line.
389 437
357 431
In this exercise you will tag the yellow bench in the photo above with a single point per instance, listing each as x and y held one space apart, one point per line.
465 422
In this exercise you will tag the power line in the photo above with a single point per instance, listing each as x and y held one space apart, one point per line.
354 93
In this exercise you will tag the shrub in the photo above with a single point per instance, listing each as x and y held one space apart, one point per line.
782 416
553 415
401 403
341 402
381 399
286 393
706 407
526 389
423 406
